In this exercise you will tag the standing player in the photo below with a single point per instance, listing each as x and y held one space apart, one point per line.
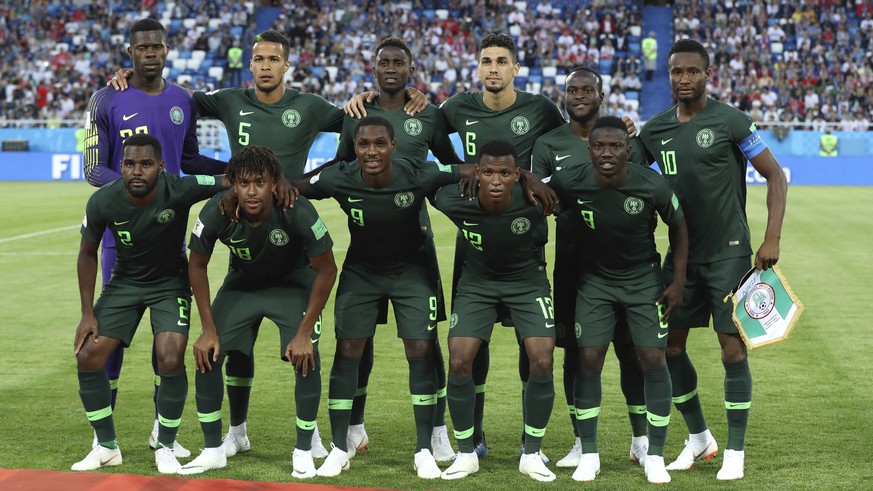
147 212
153 106
504 266
701 146
620 277
563 147
281 268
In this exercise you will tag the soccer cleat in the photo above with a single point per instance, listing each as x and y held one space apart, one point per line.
357 440
98 457
94 442
235 442
178 450
533 465
166 461
656 473
318 450
336 462
542 455
439 441
693 452
732 468
481 448
209 459
573 456
639 449
302 464
588 468
426 466
464 465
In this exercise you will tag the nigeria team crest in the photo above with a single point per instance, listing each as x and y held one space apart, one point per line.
177 115
519 125
166 216
633 205
403 200
520 225
291 118
278 237
705 138
412 127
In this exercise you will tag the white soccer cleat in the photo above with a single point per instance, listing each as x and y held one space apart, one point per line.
318 450
439 442
639 449
94 442
235 442
167 462
694 452
98 457
302 464
573 456
426 466
531 465
464 465
543 457
588 468
336 462
209 459
656 473
178 450
357 440
732 468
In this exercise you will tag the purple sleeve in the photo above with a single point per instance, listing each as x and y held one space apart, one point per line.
98 146
193 162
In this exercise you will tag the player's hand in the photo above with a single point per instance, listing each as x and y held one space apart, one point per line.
229 205
301 354
205 344
534 188
415 101
469 187
87 327
631 127
286 194
119 81
767 255
672 298
355 107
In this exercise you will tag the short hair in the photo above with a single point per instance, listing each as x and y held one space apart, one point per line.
588 69
609 122
690 46
375 121
499 148
253 160
143 140
144 25
274 37
395 42
499 40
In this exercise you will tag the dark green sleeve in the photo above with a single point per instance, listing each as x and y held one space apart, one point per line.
198 188
94 222
541 160
331 116
345 149
435 175
206 229
309 227
552 117
638 152
666 201
441 145
447 111
207 103
322 185
643 139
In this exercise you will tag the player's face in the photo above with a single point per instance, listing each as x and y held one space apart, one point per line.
392 69
255 194
148 50
374 149
268 65
688 76
496 177
583 96
609 151
139 169
496 69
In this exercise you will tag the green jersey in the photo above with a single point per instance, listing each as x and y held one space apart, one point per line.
277 247
705 163
383 222
529 117
618 244
503 246
288 127
149 239
561 147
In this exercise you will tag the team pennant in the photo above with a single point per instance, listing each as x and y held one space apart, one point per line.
765 307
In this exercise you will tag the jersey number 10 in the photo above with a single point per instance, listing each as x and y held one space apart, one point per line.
668 162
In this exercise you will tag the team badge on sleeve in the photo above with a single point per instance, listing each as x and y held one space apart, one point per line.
198 228
85 220
206 180
319 229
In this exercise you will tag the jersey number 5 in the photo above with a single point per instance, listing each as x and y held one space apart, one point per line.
243 134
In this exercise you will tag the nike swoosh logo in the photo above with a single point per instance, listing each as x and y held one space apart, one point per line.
181 324
106 461
582 202
314 340
733 405
128 116
550 325
355 200
120 223
236 241
243 113
664 142
559 168
661 335
431 327
470 122
469 224
559 158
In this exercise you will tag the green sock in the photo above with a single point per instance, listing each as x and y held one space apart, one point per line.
737 401
461 395
307 394
171 402
657 394
359 403
588 393
97 400
684 379
539 399
422 387
632 386
209 394
480 374
240 377
440 369
571 357
341 392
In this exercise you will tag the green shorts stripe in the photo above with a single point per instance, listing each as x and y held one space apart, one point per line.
157 380
113 384
239 381
209 417
340 404
169 423
99 414
685 397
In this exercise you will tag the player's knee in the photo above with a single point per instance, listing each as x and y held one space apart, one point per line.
540 363
651 358
460 367
171 362
350 348
417 349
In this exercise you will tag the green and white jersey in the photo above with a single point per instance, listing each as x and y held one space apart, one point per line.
279 246
531 116
148 239
616 223
288 127
503 246
704 161
561 148
383 222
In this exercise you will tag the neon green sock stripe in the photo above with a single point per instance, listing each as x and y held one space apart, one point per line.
424 399
535 432
441 393
460 435
209 417
239 381
157 380
572 409
361 391
340 404
113 384
480 389
656 420
305 425
169 423
99 414
737 405
636 409
684 398
587 413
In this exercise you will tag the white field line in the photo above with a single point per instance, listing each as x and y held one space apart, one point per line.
37 234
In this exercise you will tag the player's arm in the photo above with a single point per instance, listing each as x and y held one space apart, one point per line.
672 295
541 160
86 269
300 351
535 188
777 196
208 341
415 103
97 142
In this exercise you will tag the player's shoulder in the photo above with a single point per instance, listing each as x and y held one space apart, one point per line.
177 90
462 99
662 117
555 135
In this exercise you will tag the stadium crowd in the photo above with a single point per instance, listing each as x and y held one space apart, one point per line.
779 61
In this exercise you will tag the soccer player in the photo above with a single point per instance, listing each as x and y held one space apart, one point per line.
563 147
504 239
612 203
701 146
282 268
159 108
147 212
